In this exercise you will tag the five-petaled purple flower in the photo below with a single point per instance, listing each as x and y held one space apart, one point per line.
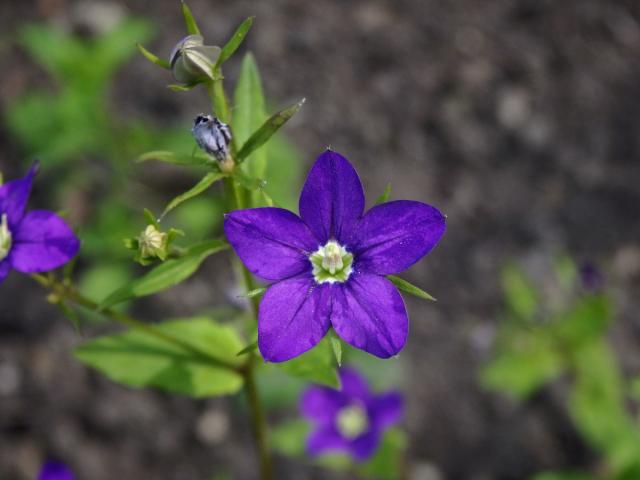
37 241
351 420
329 264
53 470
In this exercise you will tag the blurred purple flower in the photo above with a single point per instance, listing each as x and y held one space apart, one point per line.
53 470
591 277
329 264
351 420
37 241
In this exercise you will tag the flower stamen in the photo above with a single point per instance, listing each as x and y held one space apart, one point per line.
331 263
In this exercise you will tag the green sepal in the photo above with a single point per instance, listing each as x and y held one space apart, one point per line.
315 365
154 58
407 287
336 346
151 218
255 292
385 195
190 22
234 42
175 87
248 349
268 128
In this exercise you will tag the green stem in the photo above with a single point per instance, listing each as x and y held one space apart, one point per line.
65 292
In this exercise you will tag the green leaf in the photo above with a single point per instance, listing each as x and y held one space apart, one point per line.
249 113
197 158
176 87
256 292
336 346
138 359
206 181
166 275
564 476
520 295
151 218
236 39
248 349
153 58
190 22
405 286
385 195
525 362
566 271
588 320
289 437
264 133
387 462
315 365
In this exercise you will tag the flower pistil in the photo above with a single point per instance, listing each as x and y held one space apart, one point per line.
331 263
5 237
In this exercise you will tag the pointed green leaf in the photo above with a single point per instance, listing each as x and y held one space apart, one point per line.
190 22
405 286
264 133
236 39
151 218
175 87
256 292
336 346
206 181
385 195
153 58
249 113
198 158
138 359
248 349
166 275
315 365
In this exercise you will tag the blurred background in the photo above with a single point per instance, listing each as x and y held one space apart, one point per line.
519 119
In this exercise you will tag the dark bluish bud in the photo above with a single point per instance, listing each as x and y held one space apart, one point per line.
591 277
192 61
212 136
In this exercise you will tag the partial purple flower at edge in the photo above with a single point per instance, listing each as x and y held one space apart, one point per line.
53 470
329 264
351 420
591 277
37 241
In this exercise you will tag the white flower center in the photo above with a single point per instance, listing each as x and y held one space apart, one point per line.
352 421
331 263
5 237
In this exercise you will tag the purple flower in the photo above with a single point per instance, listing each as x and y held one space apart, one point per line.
37 241
591 277
52 470
329 264
351 420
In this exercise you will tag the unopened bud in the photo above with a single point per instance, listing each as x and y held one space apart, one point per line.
212 136
192 61
152 243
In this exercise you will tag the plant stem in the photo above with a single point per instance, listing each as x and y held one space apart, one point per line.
66 292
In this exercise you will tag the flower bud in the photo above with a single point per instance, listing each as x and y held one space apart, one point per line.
212 136
152 243
192 61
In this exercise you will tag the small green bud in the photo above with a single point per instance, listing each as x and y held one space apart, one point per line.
152 243
192 61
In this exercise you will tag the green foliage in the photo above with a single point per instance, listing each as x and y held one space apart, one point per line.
234 42
315 365
204 183
139 359
166 275
190 22
385 195
533 351
405 286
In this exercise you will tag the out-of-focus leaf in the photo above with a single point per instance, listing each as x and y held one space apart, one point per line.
520 294
248 349
524 364
586 321
289 438
204 183
386 463
166 275
284 172
190 22
197 158
154 58
315 366
139 359
405 286
385 195
266 131
564 476
234 42
336 346
566 271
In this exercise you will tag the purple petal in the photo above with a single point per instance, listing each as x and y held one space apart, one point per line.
324 438
293 317
42 242
386 409
354 385
14 196
273 243
5 268
332 199
393 236
363 447
369 314
55 471
321 403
